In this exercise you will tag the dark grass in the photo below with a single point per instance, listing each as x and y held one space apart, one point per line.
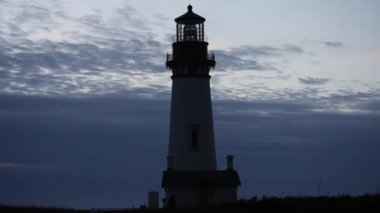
37 209
336 204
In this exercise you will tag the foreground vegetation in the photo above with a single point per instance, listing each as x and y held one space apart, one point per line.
346 204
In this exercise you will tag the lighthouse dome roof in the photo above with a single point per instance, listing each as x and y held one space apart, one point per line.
190 17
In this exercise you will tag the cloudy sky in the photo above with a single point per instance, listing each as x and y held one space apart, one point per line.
85 97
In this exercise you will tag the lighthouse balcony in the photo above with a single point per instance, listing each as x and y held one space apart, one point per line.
209 60
210 56
181 38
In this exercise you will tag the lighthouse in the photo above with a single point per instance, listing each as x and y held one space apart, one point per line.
191 177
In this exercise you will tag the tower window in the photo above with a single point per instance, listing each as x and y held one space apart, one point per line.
194 136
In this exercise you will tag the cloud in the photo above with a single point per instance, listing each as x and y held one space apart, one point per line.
289 124
61 56
19 166
52 64
313 81
372 105
326 43
82 143
264 51
133 16
101 143
333 43
20 20
43 50
249 57
31 13
95 54
230 61
10 165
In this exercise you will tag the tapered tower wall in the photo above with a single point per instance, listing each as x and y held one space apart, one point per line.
191 141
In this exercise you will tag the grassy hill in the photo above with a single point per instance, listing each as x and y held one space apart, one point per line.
346 204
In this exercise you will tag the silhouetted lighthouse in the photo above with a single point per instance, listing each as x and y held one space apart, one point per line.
192 177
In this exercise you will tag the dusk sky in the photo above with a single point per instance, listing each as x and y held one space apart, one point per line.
85 97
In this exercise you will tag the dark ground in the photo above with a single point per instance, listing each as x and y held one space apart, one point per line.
346 204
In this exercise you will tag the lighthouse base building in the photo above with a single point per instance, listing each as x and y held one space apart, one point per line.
191 177
193 188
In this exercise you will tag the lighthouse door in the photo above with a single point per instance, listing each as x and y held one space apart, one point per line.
203 196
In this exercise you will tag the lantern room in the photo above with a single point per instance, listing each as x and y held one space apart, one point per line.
190 26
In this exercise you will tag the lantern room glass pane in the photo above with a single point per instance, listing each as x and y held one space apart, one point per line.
190 32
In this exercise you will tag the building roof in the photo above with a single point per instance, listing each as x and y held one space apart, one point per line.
186 179
190 17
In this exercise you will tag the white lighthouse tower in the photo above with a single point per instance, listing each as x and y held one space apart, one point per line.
192 177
